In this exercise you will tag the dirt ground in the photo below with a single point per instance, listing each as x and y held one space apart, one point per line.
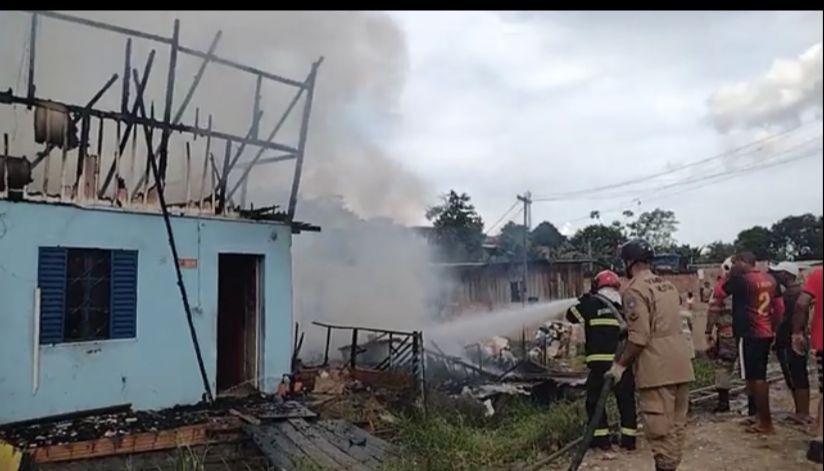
720 443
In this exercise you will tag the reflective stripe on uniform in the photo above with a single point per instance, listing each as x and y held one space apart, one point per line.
630 432
601 432
604 311
605 321
577 314
600 357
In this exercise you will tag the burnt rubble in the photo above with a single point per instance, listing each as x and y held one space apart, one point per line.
456 376
47 432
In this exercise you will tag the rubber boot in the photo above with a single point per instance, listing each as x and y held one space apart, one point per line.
723 401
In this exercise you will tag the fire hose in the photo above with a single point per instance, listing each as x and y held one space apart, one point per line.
589 431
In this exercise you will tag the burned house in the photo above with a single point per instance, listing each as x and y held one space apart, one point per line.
114 291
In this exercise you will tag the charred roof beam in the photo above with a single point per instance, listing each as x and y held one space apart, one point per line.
162 39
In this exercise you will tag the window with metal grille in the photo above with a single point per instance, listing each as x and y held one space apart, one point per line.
87 294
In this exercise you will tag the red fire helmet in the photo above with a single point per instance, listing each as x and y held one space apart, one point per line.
605 279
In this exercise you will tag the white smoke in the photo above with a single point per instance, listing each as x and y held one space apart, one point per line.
353 114
787 94
454 335
362 273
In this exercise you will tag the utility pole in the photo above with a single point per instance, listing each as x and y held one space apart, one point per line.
526 199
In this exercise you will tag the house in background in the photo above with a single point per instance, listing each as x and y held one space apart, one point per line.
94 262
473 287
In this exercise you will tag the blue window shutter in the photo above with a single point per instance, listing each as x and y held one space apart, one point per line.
123 313
51 279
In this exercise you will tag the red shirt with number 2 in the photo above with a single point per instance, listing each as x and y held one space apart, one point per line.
754 304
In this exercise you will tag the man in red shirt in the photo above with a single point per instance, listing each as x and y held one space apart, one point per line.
811 293
756 309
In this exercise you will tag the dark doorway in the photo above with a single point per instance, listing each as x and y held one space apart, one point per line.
238 321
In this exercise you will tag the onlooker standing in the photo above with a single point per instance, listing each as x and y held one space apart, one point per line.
812 292
793 365
755 308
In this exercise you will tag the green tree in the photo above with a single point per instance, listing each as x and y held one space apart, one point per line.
547 235
511 241
758 240
717 252
687 252
603 241
656 227
458 227
798 238
567 251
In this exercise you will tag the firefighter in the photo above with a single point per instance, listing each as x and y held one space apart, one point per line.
659 354
722 346
597 311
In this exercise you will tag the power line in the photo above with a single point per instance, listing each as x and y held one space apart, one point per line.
713 179
690 180
732 173
677 168
501 218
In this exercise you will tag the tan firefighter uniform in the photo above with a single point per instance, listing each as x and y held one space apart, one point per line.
663 369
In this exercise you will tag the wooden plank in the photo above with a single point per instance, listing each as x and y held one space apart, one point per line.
287 410
378 448
268 417
312 451
343 459
280 452
245 417
372 441
361 453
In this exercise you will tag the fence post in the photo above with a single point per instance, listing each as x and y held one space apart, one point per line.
353 352
391 348
326 352
415 356
423 372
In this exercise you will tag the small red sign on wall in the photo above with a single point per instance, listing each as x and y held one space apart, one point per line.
187 262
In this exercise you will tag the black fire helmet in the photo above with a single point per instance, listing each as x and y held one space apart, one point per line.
636 250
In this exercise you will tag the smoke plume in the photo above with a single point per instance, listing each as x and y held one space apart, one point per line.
368 273
359 269
354 109
789 92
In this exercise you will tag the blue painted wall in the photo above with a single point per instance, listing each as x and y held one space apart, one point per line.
158 368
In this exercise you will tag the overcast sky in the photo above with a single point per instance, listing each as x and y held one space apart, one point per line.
499 103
